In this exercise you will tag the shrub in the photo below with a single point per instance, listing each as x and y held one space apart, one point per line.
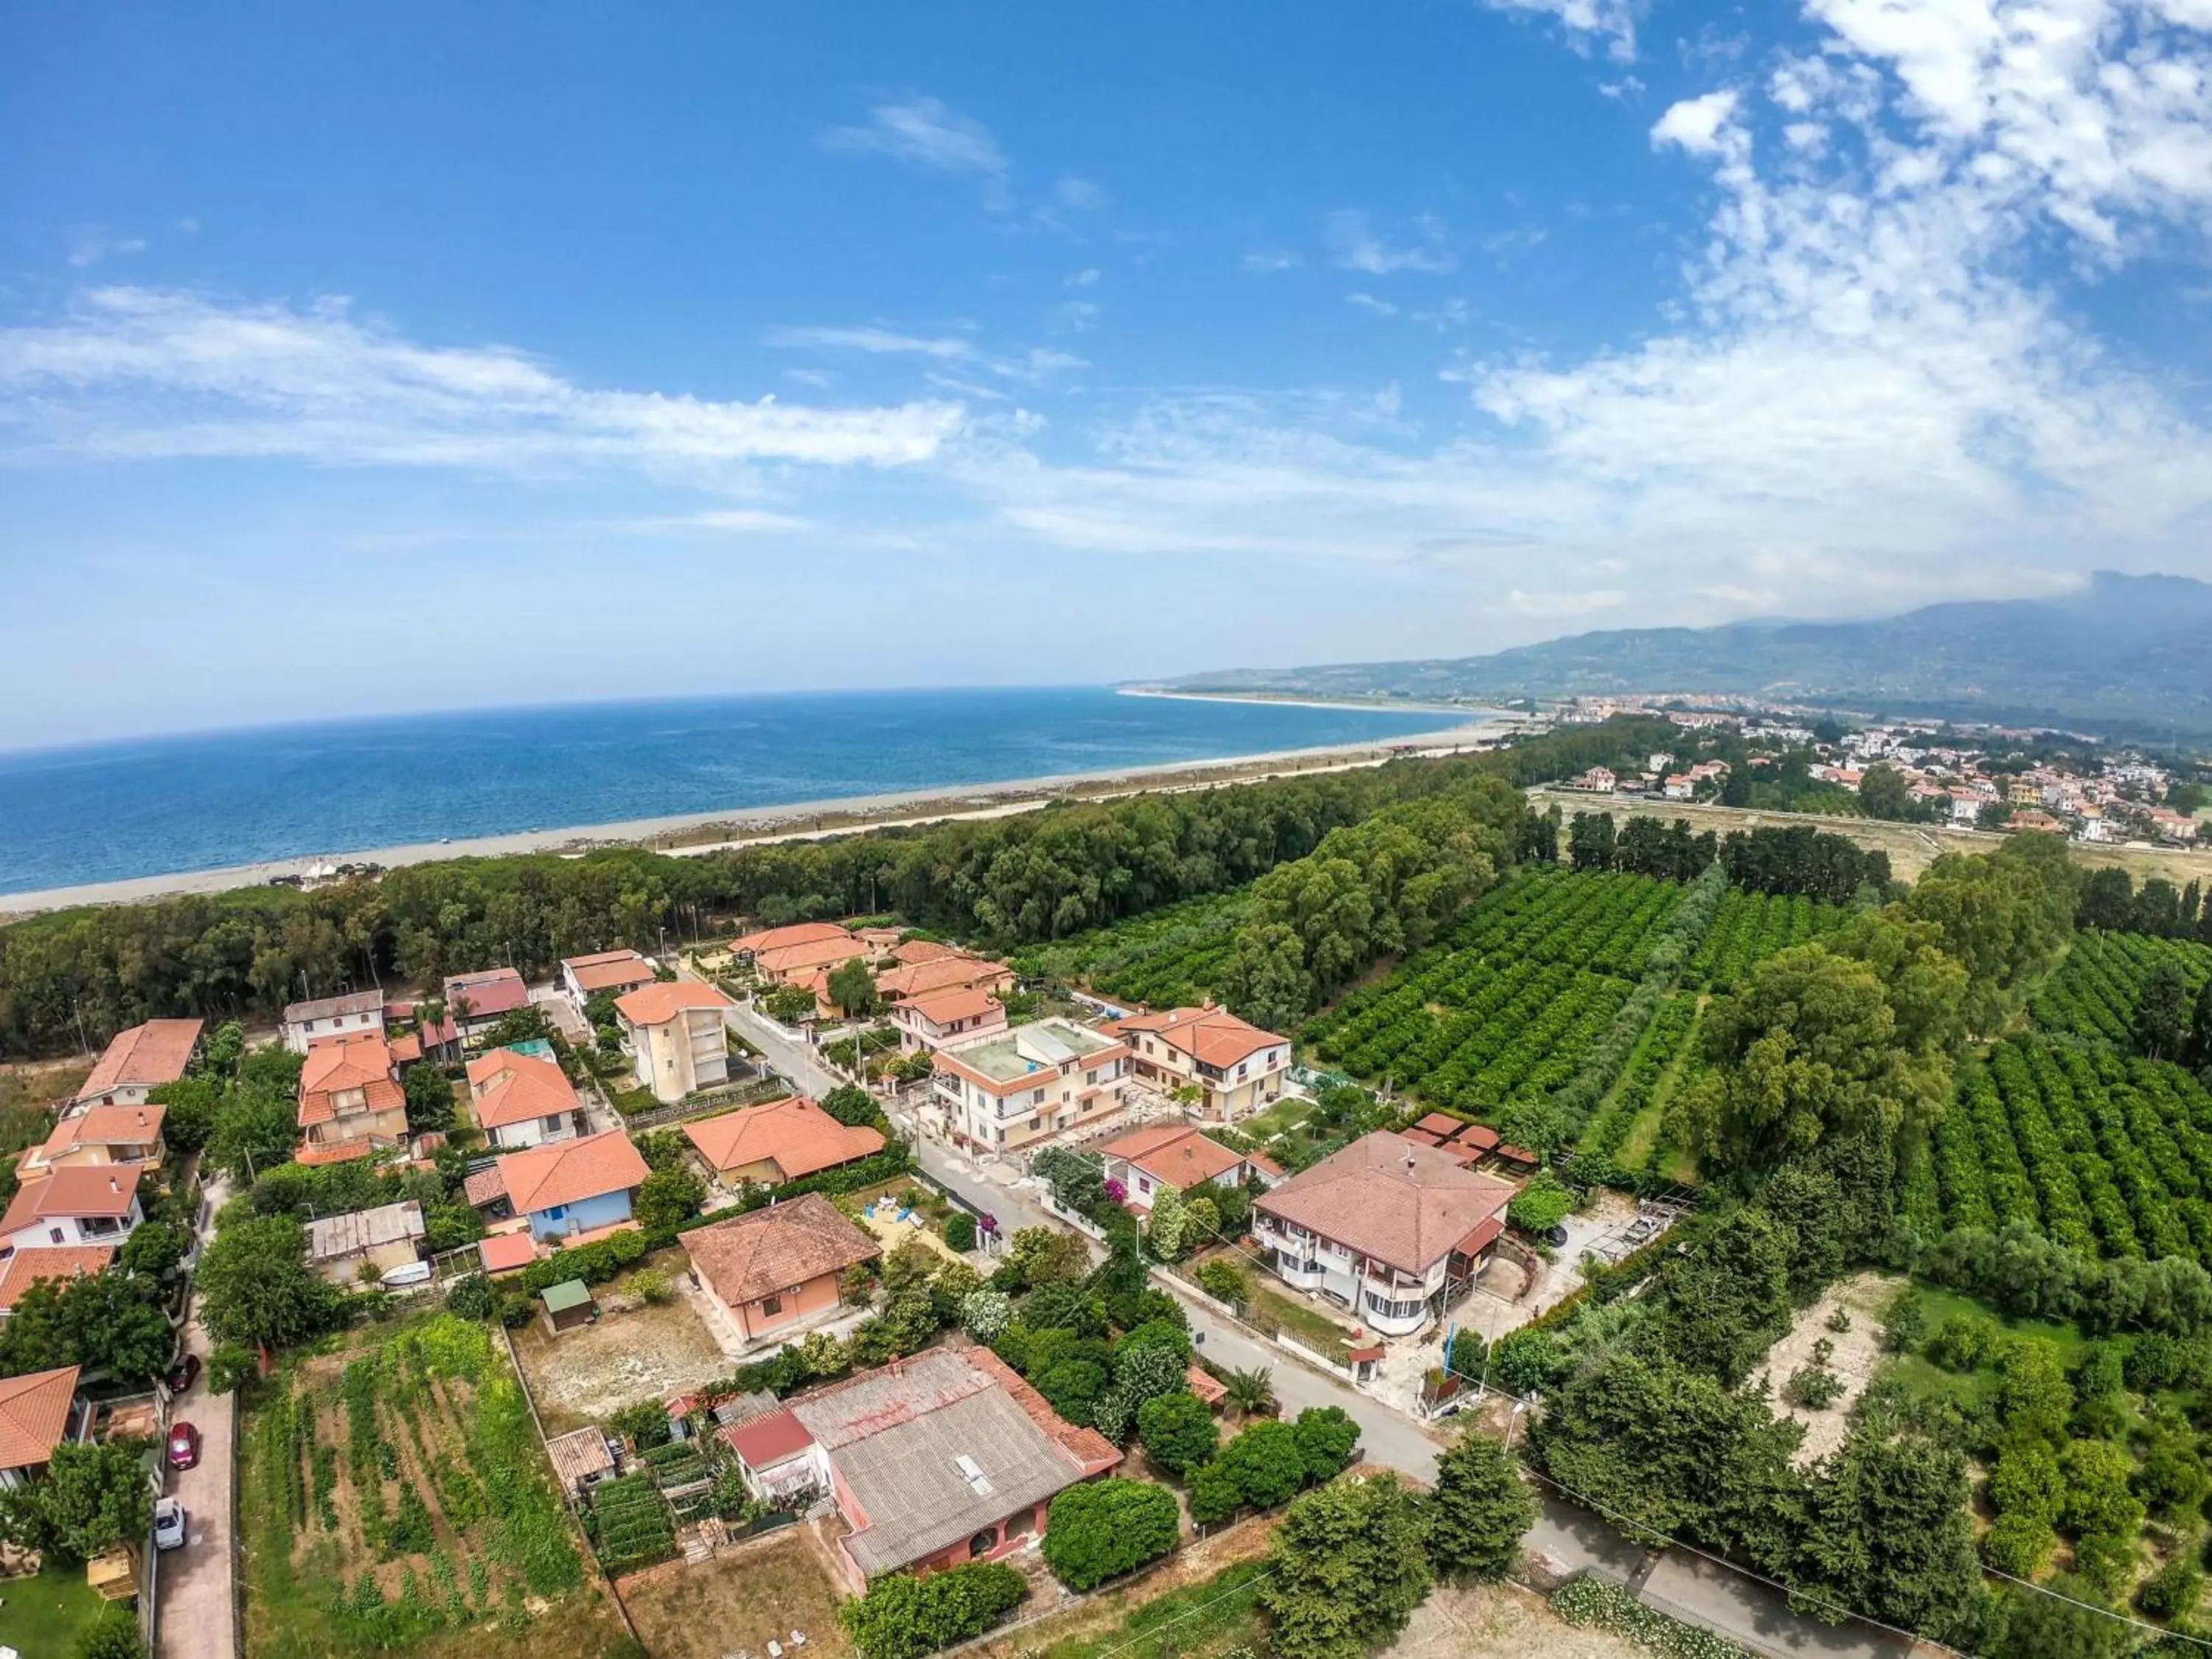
644 1425
1964 1342
1541 1205
1103 1529
110 1633
652 1284
1266 1463
1326 1439
471 1297
960 1230
2172 1591
985 1314
1224 1281
1812 1387
902 1617
1177 1432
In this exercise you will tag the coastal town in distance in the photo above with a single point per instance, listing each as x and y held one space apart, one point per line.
1259 830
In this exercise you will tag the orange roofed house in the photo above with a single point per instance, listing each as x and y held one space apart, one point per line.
101 1134
520 1100
779 1142
78 1204
1236 1067
37 1262
943 1458
583 978
1172 1154
570 1187
776 1269
38 1413
1391 1229
351 1105
138 1061
676 1036
945 1019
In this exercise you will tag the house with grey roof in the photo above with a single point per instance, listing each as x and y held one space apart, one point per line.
945 1457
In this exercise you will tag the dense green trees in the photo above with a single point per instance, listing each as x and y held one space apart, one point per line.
1177 1432
256 1287
1478 1511
902 1617
93 1498
1349 1568
109 1322
1103 1529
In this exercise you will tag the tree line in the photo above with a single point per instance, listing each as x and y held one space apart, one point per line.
1795 859
1000 882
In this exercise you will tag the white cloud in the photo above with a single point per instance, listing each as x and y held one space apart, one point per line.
927 134
1698 124
1607 23
1368 302
133 373
1358 246
735 521
1088 278
1270 260
88 244
1076 316
1079 194
877 341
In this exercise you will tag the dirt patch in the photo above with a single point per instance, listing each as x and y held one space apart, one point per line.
1501 1621
1856 1356
586 1375
738 1602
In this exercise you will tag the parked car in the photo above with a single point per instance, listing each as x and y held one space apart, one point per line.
183 1373
168 1524
183 1446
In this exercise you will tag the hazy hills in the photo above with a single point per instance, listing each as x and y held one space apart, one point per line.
2128 654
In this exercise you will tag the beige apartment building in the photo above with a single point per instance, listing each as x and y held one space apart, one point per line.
675 1031
1237 1068
1030 1084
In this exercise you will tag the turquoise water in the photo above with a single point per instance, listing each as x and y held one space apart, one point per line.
110 811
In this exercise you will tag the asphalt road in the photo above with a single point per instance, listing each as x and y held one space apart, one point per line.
195 1591
1677 1581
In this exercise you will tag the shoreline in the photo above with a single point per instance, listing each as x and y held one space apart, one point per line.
692 833
1292 700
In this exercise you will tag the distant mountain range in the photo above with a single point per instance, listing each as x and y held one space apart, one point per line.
2126 655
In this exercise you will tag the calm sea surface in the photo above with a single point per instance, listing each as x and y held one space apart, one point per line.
164 805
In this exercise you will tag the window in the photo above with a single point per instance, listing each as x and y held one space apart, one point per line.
1394 1310
983 1542
1036 1122
771 1306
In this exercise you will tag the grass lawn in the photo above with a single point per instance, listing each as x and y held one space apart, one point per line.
765 1590
1300 1320
41 1615
1198 1621
1940 1305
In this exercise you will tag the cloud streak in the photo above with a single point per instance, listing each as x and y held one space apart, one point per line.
130 373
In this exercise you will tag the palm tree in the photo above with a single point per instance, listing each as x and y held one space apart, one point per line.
1252 1392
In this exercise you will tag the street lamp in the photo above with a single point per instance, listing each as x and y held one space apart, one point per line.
1518 1407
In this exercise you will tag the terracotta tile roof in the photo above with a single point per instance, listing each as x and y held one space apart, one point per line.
341 1064
1265 1164
1484 1235
608 970
656 1005
1443 1125
777 1248
1421 1137
335 1151
406 1048
76 1189
1175 1153
1403 1204
30 1265
917 951
797 933
1476 1137
796 1133
942 1007
34 1413
767 1440
810 954
155 1052
509 1088
506 1252
491 992
569 1172
107 1125
1213 1036
1200 1383
485 1187
942 974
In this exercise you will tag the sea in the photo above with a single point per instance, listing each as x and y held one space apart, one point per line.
157 806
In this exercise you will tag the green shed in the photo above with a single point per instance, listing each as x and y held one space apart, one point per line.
568 1305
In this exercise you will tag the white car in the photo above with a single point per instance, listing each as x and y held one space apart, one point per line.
168 1524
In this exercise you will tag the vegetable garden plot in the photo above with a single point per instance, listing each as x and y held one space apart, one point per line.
397 1494
2105 1153
2095 991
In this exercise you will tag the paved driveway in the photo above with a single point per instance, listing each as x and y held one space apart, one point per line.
196 1590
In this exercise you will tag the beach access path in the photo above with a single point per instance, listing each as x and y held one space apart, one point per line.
196 1590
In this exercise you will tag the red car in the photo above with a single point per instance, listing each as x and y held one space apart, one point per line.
183 1446
183 1373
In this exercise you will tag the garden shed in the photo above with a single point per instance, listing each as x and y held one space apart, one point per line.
568 1305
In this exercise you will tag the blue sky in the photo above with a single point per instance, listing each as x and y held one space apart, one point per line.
428 356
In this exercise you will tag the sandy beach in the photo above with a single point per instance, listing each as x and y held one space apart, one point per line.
693 833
